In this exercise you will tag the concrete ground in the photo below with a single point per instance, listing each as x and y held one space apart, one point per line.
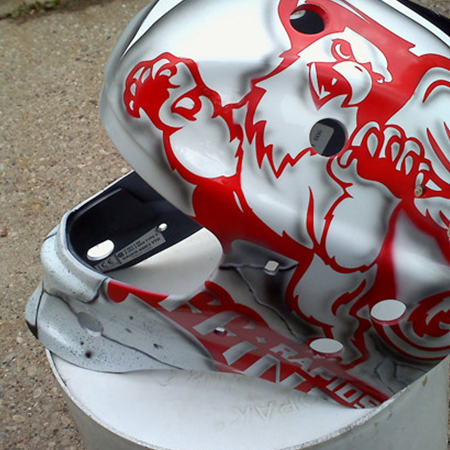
53 154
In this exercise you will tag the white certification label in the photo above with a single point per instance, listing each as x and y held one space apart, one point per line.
145 243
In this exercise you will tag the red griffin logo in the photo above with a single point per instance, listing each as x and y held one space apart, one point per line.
263 181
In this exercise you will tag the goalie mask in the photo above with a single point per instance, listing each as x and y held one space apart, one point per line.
290 219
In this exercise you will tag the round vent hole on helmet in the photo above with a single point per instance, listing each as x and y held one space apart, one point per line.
327 348
90 323
308 19
100 251
388 312
328 137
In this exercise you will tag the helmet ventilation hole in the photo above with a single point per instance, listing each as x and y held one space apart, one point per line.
327 348
388 312
308 19
328 137
100 251
90 324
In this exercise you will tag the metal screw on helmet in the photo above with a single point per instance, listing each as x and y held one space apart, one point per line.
419 191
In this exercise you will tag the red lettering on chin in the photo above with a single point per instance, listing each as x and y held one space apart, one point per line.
240 341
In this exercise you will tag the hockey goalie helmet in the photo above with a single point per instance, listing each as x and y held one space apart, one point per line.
315 130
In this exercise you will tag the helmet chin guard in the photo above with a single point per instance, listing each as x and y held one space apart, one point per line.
291 216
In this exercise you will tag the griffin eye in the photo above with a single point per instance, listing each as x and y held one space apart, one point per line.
342 50
308 19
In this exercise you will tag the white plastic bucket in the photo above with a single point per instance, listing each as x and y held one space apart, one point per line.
182 410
